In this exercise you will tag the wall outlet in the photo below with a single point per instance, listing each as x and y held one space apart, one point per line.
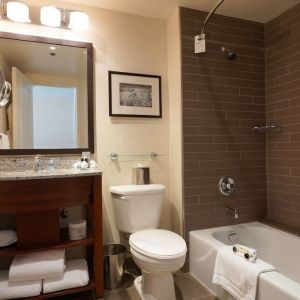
200 44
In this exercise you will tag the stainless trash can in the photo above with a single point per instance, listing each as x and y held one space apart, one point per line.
142 175
114 259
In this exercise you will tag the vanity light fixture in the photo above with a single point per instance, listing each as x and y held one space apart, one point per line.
17 11
65 18
50 16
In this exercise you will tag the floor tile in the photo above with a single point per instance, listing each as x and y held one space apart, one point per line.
187 288
125 292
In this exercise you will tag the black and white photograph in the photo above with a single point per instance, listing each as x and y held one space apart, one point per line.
134 95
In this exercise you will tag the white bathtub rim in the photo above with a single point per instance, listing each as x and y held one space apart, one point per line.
275 278
208 232
291 287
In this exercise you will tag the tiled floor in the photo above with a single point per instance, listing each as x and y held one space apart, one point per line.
187 288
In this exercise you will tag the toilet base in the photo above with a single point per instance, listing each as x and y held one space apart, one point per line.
155 286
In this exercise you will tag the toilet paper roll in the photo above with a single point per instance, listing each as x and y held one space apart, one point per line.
77 230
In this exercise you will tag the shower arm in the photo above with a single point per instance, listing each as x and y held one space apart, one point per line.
208 17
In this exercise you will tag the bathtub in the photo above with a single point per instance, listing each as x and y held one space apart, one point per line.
274 246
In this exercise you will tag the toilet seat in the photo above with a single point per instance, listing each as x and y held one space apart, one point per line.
158 243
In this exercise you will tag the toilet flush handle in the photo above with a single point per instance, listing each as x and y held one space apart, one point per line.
124 197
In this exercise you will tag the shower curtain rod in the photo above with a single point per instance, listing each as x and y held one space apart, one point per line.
208 17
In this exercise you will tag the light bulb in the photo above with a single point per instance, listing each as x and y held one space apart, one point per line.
78 20
50 16
18 12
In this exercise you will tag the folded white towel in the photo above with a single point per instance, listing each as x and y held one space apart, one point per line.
4 141
39 265
14 290
76 275
236 275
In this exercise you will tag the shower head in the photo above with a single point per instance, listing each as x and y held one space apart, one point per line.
230 54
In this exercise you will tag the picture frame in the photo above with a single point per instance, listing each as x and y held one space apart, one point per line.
134 95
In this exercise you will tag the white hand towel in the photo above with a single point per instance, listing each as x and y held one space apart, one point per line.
76 275
4 141
238 276
39 265
14 290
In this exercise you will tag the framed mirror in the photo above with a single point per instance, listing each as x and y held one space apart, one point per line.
50 109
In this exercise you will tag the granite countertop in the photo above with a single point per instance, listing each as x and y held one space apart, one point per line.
45 174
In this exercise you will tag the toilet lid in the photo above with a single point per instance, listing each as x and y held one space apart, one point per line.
158 243
133 189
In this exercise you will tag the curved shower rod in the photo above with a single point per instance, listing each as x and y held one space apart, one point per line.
208 17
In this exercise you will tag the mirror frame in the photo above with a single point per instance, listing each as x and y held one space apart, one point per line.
90 92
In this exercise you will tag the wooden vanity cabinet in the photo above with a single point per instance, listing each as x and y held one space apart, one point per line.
36 204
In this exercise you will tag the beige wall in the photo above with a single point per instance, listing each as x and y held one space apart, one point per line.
175 124
128 43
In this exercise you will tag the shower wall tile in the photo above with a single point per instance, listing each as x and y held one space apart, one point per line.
222 101
283 108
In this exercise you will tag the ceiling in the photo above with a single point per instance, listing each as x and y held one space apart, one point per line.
256 10
36 58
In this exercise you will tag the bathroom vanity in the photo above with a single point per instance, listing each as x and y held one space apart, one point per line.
58 85
35 199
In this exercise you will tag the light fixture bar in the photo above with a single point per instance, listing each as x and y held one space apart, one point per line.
65 18
2 9
51 16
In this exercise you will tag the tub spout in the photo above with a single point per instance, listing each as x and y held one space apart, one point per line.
232 212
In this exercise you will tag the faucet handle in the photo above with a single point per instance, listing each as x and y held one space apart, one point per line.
227 186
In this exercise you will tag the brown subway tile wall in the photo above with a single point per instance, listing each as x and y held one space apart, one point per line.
283 108
222 101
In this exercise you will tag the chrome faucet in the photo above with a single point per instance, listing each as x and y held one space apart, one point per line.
37 163
232 212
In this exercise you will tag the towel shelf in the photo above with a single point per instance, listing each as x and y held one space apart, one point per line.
64 244
36 204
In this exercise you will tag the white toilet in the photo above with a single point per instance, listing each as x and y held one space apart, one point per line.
157 252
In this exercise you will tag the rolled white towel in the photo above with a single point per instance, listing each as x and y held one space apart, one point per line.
248 253
38 265
76 275
14 290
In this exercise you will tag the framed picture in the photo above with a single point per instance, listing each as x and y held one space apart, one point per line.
134 95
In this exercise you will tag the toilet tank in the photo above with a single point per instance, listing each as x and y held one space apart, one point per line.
137 207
